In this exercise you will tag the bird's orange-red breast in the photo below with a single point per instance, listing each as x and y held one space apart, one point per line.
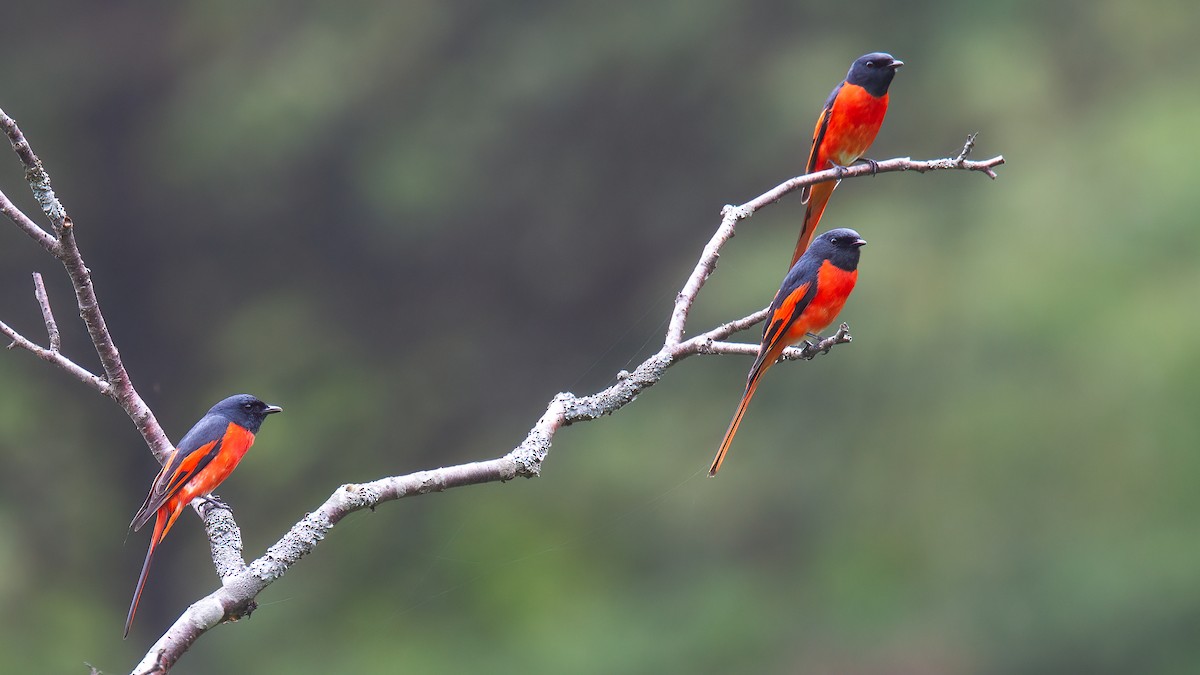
847 126
205 457
812 294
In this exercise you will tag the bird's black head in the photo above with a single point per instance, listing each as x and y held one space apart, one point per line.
244 410
839 247
873 72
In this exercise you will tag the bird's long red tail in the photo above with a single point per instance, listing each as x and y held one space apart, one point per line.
733 427
155 539
765 360
818 197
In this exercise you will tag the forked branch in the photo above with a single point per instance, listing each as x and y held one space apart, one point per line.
241 583
236 596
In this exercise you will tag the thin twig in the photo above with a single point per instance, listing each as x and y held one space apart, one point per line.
93 381
35 173
241 583
730 215
66 249
43 300
806 351
707 264
223 532
123 390
236 596
42 237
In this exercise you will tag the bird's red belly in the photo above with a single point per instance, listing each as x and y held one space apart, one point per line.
854 123
833 287
236 442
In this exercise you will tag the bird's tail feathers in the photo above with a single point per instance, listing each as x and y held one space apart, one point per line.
818 198
141 582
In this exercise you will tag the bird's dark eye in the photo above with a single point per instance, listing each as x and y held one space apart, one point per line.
835 241
870 64
248 406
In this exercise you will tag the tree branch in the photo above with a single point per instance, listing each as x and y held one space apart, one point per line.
66 250
42 237
241 583
94 382
43 300
235 597
223 533
730 215
35 173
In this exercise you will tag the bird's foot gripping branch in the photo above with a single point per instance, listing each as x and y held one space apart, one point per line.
242 582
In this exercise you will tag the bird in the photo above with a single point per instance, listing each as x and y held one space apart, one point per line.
812 294
205 457
847 126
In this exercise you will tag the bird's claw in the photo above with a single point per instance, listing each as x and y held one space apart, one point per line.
871 163
212 502
812 346
808 350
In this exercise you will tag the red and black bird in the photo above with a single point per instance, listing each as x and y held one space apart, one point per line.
811 296
847 126
205 457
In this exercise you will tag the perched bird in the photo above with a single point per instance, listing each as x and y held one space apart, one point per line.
811 296
205 457
847 126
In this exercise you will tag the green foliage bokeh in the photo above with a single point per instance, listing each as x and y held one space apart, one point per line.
412 223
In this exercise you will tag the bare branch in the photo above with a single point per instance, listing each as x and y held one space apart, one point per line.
67 251
707 264
52 354
80 373
39 292
985 167
806 351
42 237
726 329
123 390
236 596
224 535
242 582
710 342
224 538
35 174
730 215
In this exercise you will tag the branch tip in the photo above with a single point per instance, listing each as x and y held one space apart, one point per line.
241 583
43 300
740 212
967 148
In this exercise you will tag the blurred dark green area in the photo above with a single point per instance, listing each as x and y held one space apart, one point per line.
412 223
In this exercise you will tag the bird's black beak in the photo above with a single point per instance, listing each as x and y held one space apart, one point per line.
896 63
858 242
272 409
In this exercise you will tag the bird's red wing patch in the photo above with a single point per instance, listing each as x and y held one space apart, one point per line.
818 138
236 442
173 476
189 466
792 306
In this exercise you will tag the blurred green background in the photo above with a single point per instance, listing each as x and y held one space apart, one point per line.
412 223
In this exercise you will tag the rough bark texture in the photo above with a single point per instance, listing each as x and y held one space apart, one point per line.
241 582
